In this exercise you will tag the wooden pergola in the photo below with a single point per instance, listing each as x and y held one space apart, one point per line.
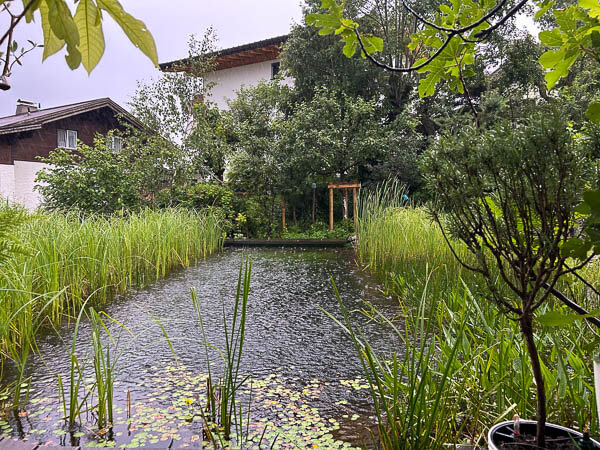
345 187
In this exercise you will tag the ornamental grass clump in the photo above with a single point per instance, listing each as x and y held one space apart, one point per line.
509 194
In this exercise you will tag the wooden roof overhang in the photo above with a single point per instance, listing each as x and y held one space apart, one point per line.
37 119
242 55
248 57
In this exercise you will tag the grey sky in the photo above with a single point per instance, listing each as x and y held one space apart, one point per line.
235 21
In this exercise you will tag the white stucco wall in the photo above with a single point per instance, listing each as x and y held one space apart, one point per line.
228 81
7 181
24 181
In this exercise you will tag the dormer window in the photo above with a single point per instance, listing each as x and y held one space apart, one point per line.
275 70
67 139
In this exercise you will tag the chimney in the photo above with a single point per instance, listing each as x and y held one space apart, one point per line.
25 107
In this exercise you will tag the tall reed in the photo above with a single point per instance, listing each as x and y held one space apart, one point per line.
223 415
92 258
394 238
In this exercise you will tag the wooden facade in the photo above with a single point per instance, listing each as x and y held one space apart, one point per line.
29 145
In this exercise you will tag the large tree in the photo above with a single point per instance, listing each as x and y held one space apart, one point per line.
177 107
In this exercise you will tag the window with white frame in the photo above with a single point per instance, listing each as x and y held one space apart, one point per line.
114 142
67 139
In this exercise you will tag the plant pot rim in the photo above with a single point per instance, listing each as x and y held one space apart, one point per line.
492 445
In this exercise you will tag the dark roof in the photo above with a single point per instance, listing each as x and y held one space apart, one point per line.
231 51
36 119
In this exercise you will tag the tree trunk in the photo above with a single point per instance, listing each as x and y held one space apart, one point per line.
526 323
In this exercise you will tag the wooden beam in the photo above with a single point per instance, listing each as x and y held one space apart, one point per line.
330 209
344 186
354 209
283 229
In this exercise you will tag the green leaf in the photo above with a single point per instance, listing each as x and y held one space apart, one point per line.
592 5
135 29
595 35
575 248
545 7
551 38
593 112
32 9
592 198
90 30
373 44
468 58
327 22
64 28
52 44
551 58
558 319
560 70
427 84
583 209
351 46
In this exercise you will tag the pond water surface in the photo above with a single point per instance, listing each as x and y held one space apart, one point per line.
306 378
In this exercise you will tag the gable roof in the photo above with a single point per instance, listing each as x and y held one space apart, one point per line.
241 55
37 119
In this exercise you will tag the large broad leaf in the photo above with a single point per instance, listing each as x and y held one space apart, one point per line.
52 44
575 248
135 29
593 112
427 84
551 38
551 58
560 70
558 319
64 28
592 5
592 198
90 32
32 9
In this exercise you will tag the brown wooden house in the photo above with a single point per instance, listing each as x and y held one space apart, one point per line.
33 132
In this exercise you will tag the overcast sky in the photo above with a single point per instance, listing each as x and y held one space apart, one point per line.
171 22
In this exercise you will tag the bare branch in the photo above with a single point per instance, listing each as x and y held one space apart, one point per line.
451 33
16 21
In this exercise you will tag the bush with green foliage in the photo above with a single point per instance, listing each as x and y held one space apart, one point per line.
97 179
215 198
509 194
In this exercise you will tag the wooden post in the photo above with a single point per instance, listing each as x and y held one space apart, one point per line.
354 212
345 202
330 209
313 218
283 214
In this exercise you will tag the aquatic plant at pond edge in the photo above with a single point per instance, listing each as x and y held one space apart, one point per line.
509 195
223 411
409 390
497 384
104 370
70 259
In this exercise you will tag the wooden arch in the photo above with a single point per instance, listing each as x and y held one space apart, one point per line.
345 187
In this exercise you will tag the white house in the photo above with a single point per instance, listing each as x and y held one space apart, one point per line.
244 65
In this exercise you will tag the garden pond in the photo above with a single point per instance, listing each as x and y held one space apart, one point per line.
305 380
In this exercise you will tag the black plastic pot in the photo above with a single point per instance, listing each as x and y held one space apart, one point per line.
503 433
